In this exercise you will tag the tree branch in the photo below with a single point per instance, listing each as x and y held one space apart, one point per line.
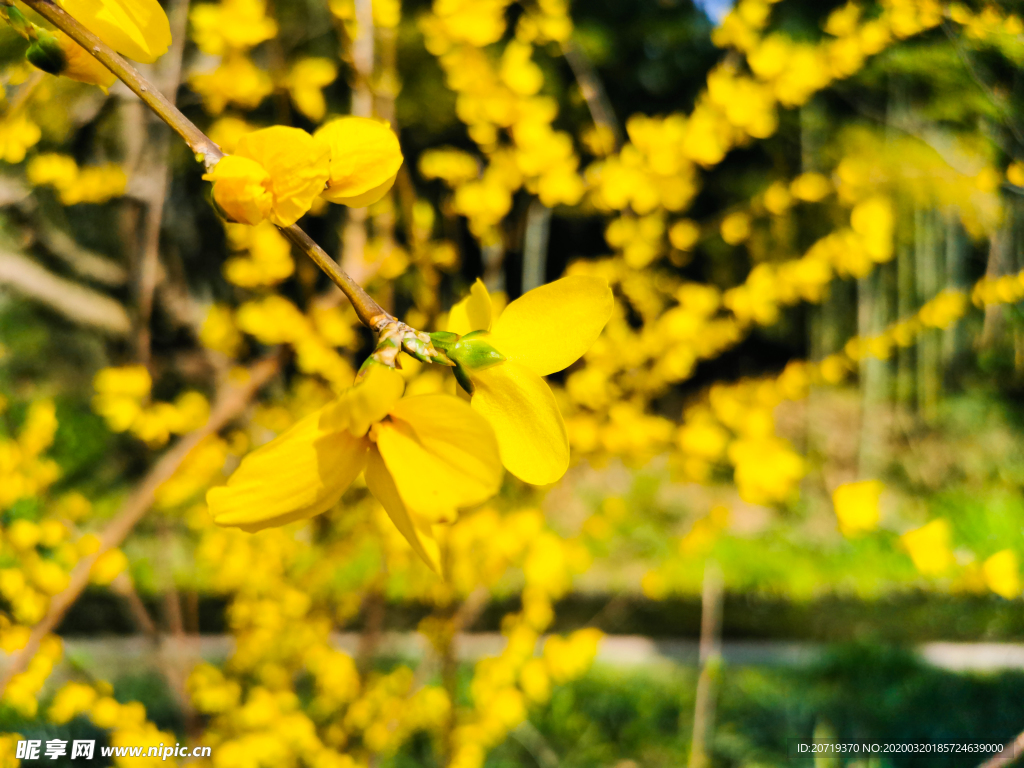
74 301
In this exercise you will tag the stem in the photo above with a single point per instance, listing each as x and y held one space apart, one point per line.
368 311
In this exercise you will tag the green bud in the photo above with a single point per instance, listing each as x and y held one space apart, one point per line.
474 353
444 340
46 54
424 351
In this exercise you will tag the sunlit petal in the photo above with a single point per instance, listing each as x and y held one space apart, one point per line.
365 158
301 473
441 453
136 28
366 402
298 166
549 328
473 313
522 410
416 531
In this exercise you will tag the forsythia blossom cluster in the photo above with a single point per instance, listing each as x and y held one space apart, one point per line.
276 173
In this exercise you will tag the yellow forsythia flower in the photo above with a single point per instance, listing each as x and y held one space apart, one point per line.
857 506
230 25
542 332
17 134
305 83
275 173
1002 574
108 566
423 456
365 158
929 547
136 28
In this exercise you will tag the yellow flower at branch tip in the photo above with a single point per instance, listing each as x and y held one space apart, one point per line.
275 173
543 331
365 158
857 506
136 28
424 457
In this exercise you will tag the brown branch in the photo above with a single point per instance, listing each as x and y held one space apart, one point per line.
76 302
591 88
86 263
231 401
123 587
368 311
158 173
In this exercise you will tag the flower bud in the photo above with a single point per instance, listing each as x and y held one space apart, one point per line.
58 54
472 353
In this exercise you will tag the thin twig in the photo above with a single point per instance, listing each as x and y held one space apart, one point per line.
76 302
231 401
369 311
24 93
591 88
158 169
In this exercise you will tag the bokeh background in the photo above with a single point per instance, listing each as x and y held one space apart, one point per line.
795 507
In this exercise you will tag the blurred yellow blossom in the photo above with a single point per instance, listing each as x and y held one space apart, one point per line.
230 25
305 82
929 547
856 506
1002 574
17 134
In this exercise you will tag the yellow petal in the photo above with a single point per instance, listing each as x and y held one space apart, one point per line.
441 454
366 402
416 531
241 188
473 313
522 410
136 28
298 167
365 157
297 475
549 328
361 200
